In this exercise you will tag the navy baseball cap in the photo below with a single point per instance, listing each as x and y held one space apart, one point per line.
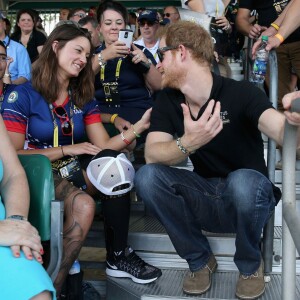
164 22
149 15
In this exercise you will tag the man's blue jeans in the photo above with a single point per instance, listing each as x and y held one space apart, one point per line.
186 203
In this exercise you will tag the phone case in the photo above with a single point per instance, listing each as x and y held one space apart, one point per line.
125 35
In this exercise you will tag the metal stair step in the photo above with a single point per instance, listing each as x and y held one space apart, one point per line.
169 286
147 234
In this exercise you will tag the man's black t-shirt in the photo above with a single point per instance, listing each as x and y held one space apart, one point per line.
268 11
238 145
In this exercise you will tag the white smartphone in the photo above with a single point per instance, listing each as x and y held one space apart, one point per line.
126 35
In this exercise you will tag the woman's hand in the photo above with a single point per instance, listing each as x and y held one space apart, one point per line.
116 49
121 124
81 148
144 122
21 234
223 23
8 62
138 55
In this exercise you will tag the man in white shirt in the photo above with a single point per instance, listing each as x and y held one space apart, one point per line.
149 24
19 69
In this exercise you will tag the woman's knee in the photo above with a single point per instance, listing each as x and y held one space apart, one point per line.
80 204
84 203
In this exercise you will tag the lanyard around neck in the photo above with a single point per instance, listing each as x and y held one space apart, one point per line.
117 74
217 9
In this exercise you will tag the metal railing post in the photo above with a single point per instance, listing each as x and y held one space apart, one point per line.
291 220
268 235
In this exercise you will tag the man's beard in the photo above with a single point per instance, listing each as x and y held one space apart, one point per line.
173 78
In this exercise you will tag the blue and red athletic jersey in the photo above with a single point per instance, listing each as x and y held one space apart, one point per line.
25 111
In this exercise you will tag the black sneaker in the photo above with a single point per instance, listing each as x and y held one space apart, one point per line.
128 264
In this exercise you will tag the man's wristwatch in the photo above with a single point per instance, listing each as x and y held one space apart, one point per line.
101 61
17 217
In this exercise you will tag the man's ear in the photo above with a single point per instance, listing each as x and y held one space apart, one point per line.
183 51
55 46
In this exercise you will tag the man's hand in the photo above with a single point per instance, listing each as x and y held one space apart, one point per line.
256 30
271 31
292 117
121 124
199 133
273 42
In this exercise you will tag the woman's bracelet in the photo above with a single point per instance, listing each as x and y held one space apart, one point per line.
135 133
280 37
113 117
124 139
274 25
62 151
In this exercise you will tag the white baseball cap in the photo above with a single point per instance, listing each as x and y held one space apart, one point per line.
111 172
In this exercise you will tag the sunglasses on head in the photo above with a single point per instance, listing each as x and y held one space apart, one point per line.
65 124
161 52
142 23
80 15
168 15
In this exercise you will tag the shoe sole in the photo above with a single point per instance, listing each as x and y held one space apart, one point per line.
250 298
121 274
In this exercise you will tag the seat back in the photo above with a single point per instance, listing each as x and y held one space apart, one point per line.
45 213
40 178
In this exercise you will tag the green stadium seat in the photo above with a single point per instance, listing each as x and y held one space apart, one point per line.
45 213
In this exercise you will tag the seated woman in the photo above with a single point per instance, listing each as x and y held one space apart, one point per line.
22 275
123 85
53 120
26 34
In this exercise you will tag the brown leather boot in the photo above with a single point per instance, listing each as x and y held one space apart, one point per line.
199 282
252 286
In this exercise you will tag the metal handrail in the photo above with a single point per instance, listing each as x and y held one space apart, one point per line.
291 220
268 233
248 60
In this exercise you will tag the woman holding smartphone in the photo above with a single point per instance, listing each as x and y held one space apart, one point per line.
125 77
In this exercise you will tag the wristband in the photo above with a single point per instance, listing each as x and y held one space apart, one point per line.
124 139
135 133
274 25
6 75
112 118
62 151
280 37
181 148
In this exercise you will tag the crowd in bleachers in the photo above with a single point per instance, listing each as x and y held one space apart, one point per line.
77 90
